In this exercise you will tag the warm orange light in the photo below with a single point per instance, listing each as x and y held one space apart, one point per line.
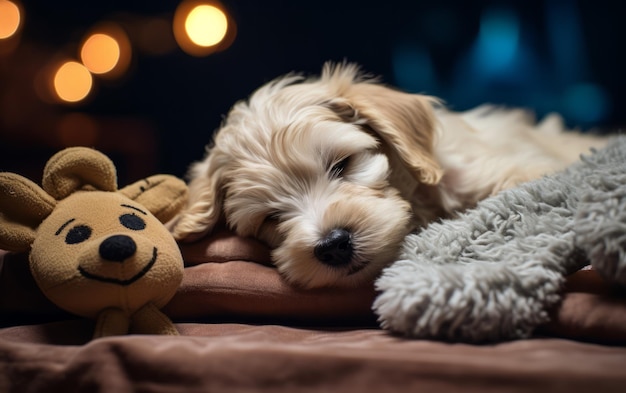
106 51
72 82
100 53
206 25
10 19
203 27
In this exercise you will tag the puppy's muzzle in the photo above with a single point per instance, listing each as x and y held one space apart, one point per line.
335 249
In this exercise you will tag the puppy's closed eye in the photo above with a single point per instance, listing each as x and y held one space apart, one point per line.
271 218
268 231
337 170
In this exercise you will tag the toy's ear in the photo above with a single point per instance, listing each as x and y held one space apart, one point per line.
23 206
162 195
78 168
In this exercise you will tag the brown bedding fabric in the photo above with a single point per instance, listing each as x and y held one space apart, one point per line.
230 277
225 276
240 358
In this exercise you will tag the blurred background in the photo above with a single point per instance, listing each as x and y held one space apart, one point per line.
147 82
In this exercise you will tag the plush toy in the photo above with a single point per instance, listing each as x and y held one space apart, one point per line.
97 251
495 272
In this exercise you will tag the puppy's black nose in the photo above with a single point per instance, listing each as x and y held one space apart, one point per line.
335 249
117 248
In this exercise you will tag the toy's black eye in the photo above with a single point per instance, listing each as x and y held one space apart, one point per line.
78 234
337 170
133 222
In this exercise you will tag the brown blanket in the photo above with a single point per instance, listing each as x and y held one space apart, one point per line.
246 358
243 328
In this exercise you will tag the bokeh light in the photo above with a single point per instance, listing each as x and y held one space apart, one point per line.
100 53
203 27
586 103
498 39
10 19
206 25
106 51
72 82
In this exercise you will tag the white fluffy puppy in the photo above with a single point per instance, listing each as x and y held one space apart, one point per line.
333 172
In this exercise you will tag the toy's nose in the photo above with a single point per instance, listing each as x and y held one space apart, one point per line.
117 248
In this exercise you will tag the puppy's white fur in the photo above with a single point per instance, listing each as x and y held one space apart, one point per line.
303 157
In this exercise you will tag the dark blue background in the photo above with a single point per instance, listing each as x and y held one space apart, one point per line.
566 56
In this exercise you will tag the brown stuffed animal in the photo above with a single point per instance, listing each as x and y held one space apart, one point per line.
97 251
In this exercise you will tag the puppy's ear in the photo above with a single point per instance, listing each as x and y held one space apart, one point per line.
204 205
405 122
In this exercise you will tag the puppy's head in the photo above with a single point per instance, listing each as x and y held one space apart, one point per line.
306 166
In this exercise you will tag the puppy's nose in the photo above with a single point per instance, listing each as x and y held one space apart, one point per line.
335 249
117 248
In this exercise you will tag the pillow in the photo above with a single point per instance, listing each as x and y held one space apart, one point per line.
231 278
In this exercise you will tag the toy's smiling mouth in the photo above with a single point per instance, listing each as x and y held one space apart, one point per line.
118 281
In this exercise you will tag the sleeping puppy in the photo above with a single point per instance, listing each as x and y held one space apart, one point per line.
333 172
